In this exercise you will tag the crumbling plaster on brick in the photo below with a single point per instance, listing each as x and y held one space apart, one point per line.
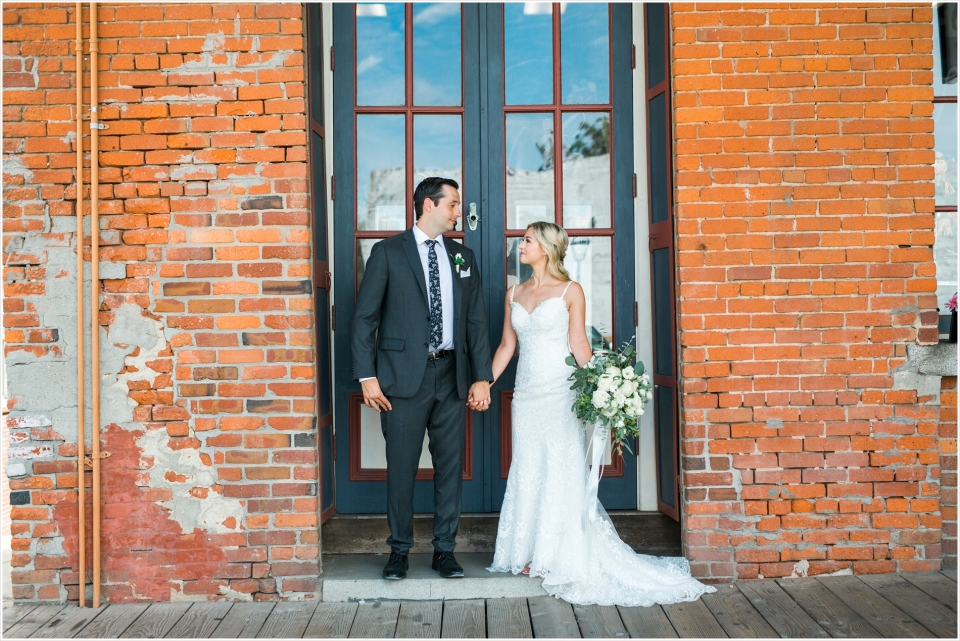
54 373
143 340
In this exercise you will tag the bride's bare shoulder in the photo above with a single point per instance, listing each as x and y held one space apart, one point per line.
573 291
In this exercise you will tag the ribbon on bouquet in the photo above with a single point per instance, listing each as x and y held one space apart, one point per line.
598 445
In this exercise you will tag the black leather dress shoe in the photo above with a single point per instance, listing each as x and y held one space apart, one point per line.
396 567
447 565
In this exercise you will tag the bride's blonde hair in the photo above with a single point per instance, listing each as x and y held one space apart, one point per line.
553 241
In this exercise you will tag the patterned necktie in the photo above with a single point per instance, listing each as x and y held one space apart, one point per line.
436 305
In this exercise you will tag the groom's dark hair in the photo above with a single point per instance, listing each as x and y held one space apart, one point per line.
431 188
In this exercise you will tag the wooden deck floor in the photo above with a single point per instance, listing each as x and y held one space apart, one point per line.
910 605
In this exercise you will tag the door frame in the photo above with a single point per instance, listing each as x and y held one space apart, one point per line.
368 487
490 196
620 486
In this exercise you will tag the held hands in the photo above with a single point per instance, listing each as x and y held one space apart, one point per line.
373 396
479 397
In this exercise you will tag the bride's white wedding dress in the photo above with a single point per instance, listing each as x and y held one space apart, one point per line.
540 521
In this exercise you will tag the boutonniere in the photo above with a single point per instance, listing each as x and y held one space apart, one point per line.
458 262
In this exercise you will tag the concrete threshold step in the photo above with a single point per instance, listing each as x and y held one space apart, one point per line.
357 577
646 532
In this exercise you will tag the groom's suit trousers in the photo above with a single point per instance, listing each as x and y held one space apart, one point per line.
437 408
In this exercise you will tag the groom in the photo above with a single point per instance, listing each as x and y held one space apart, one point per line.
420 348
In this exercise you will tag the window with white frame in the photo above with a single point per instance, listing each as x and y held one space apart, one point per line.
945 148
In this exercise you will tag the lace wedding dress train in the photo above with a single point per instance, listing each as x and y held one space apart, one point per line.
540 521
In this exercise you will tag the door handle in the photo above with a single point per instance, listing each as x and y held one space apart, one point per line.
473 217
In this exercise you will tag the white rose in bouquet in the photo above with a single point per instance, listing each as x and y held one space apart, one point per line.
610 410
627 388
606 383
614 372
629 373
600 398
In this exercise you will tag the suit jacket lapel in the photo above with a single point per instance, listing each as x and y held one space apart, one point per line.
413 256
457 286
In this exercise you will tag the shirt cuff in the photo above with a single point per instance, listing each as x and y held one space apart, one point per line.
367 378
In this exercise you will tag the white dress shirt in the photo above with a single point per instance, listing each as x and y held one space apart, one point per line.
446 284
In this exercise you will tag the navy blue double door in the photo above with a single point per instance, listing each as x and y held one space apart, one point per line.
529 107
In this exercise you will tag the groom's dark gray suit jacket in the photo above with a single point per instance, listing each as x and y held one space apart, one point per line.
393 299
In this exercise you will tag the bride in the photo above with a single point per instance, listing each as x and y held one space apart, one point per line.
541 532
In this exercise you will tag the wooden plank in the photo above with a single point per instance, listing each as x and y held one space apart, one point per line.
508 619
692 620
200 620
649 623
113 621
926 610
14 612
420 620
331 621
888 619
156 621
830 613
936 585
599 622
288 619
735 614
464 619
67 622
32 621
244 620
780 611
377 620
950 574
552 618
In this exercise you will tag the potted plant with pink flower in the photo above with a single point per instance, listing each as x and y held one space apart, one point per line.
952 308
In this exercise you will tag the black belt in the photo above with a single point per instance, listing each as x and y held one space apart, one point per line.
439 354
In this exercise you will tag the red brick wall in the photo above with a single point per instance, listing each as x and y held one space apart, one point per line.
209 387
804 191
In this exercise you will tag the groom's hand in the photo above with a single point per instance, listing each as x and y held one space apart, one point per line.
479 398
373 396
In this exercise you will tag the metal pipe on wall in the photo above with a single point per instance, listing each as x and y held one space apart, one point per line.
81 465
95 291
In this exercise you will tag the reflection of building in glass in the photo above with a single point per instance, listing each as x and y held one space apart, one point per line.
945 257
586 192
945 176
386 199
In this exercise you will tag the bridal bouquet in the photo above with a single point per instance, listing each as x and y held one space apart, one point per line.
611 393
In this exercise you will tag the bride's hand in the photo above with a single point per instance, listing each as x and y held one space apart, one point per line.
479 397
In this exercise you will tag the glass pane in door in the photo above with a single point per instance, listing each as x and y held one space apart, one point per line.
436 54
373 447
380 54
530 178
659 187
662 310
585 53
528 53
586 170
364 247
589 261
381 170
438 147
